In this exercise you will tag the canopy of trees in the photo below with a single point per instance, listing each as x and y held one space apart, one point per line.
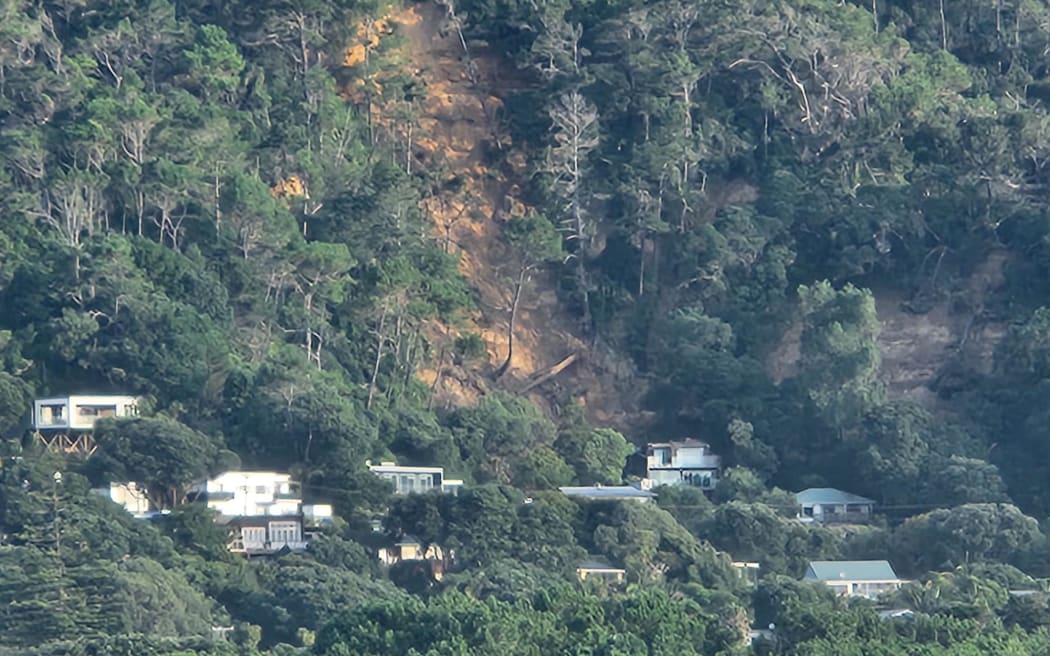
222 208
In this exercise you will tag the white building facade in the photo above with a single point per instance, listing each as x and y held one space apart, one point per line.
410 480
264 510
64 424
80 412
688 462
250 494
127 495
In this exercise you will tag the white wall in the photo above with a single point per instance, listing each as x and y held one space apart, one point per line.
696 457
81 412
254 493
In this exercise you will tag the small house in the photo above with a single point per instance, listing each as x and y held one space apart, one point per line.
409 480
688 462
129 496
64 424
826 505
409 548
854 578
596 568
747 570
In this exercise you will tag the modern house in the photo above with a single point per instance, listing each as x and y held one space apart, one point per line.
827 505
64 424
127 495
408 480
687 462
263 510
596 568
610 492
854 578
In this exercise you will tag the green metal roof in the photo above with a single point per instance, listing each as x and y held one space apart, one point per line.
829 495
849 570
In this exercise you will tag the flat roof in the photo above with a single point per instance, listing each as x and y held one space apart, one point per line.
610 492
407 469
687 442
850 570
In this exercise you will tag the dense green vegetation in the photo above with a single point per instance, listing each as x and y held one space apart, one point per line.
193 210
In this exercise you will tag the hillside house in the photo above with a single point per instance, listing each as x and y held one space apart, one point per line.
263 510
688 462
854 578
826 505
64 424
409 548
748 571
596 568
409 480
127 495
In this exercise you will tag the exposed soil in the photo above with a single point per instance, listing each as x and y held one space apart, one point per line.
459 133
922 350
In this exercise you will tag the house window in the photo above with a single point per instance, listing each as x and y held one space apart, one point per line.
856 508
807 511
260 489
253 536
662 456
282 533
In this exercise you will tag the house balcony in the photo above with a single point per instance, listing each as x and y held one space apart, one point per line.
252 548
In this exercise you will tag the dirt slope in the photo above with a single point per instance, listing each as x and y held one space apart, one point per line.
924 350
458 132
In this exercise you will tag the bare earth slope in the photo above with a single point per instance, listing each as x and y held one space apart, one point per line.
460 134
921 350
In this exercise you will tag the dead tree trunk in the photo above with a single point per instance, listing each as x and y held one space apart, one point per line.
513 318
379 358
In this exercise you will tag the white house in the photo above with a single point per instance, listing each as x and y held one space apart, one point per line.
80 412
408 480
264 510
854 578
128 495
597 568
687 462
250 493
827 505
64 424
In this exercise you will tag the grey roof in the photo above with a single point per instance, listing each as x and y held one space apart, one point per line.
608 492
850 570
829 495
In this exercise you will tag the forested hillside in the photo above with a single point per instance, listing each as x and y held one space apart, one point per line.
520 240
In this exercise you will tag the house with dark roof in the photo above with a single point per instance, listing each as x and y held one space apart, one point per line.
826 505
854 578
609 492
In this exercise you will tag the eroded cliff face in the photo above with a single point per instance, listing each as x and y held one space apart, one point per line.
928 349
459 132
